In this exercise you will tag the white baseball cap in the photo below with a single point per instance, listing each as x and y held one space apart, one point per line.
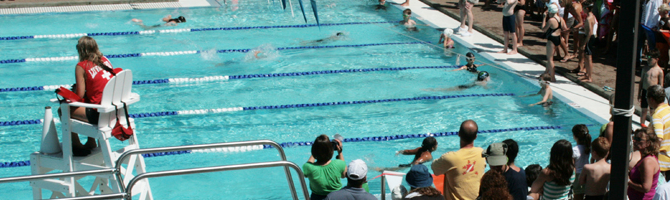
357 170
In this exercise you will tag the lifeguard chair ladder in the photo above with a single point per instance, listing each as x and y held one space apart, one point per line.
116 93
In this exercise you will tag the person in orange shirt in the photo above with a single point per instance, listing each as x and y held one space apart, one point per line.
463 169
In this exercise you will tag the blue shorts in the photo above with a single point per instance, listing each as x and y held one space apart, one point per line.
509 23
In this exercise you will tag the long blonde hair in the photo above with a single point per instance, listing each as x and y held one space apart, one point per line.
88 50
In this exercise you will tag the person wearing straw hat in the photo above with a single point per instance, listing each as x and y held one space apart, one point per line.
357 172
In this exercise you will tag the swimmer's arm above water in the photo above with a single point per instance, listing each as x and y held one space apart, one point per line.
547 93
408 151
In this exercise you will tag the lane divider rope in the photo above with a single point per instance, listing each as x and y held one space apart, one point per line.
234 109
174 53
123 33
309 143
220 78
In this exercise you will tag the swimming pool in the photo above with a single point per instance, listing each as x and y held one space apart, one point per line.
369 70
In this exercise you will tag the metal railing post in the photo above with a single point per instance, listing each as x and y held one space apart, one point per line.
139 177
383 187
55 175
206 146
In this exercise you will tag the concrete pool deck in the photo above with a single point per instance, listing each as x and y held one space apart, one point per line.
573 94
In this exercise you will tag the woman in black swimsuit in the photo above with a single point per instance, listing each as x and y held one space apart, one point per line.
552 29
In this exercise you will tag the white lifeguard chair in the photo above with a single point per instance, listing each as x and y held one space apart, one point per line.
116 93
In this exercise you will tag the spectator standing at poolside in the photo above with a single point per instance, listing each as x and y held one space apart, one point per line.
580 154
463 169
648 18
357 172
575 21
515 176
587 42
509 26
552 31
496 157
643 178
324 174
595 177
661 42
652 74
465 7
555 180
520 13
660 120
421 184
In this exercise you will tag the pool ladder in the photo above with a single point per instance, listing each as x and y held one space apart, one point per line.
127 189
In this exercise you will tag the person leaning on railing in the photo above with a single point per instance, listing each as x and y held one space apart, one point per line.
323 173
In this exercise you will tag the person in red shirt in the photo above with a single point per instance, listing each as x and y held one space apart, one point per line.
92 74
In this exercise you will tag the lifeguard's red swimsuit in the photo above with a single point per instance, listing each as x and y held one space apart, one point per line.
96 79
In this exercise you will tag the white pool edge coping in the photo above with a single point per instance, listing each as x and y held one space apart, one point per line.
581 99
109 7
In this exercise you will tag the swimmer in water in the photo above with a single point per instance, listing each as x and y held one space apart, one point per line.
445 39
470 66
421 154
381 6
407 21
169 21
337 36
545 91
482 79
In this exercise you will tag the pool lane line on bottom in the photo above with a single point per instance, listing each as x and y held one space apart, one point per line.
181 30
233 109
233 77
174 53
308 143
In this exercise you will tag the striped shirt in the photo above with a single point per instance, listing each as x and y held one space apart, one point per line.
661 122
554 191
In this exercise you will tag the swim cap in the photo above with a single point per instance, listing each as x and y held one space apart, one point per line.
470 55
181 19
553 8
482 75
448 32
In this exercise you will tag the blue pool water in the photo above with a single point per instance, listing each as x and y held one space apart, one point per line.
281 125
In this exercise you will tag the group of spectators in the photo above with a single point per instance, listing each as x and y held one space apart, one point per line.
579 172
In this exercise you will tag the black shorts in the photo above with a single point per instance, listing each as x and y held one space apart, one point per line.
644 103
92 115
509 23
588 50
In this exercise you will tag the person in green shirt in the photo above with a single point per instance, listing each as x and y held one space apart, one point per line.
323 173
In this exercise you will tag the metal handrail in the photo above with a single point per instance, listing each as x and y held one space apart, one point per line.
96 197
206 146
286 164
56 175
